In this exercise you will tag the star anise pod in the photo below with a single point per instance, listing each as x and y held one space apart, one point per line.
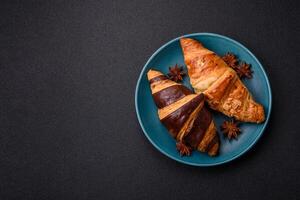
183 149
244 70
176 73
230 60
230 129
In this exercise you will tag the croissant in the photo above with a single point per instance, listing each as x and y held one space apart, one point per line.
184 114
223 89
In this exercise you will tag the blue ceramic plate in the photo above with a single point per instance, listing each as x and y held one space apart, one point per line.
170 54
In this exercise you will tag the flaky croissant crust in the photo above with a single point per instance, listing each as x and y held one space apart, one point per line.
221 85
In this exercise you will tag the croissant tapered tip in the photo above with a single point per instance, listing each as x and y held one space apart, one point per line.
260 114
185 41
153 73
189 44
214 151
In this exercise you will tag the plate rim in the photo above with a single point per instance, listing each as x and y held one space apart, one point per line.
189 162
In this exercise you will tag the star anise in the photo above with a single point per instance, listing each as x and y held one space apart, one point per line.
176 73
244 70
230 129
230 60
183 149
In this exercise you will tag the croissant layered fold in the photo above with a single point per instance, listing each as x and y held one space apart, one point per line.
223 89
184 114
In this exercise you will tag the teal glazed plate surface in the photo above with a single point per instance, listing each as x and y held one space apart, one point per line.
171 54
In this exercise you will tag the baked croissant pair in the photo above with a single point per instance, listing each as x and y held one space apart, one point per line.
184 114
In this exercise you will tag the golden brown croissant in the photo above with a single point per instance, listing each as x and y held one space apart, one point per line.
184 114
223 89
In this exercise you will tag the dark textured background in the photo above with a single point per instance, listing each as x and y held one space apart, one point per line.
68 128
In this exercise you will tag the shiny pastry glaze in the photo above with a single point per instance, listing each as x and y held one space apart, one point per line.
183 113
196 134
158 78
175 120
170 95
